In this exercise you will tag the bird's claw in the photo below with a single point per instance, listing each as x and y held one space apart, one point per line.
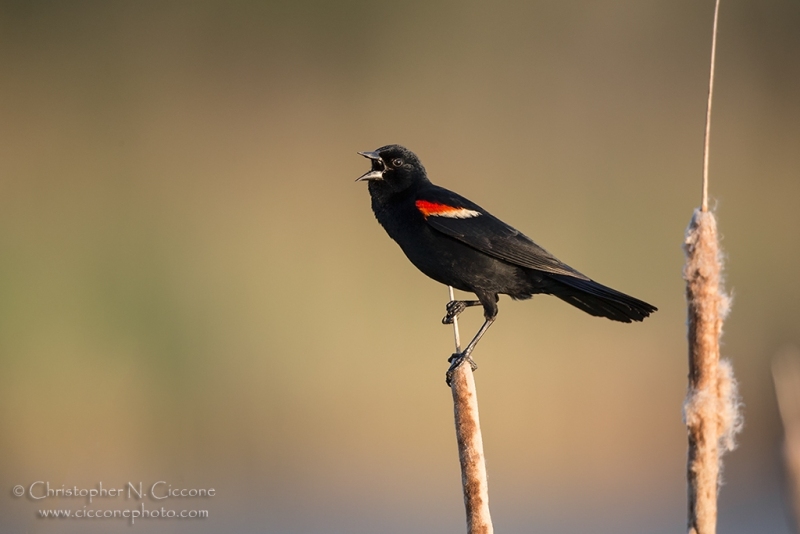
455 361
454 308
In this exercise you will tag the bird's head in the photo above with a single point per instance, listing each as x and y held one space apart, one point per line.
394 168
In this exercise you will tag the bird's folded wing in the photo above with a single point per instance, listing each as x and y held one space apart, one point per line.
461 219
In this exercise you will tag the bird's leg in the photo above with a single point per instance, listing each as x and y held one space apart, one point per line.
459 357
455 307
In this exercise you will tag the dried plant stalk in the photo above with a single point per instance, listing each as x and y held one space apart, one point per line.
470 451
786 375
712 406
470 445
711 410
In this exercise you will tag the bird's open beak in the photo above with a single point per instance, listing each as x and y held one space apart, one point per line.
376 173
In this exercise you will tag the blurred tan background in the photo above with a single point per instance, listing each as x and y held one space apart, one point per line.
192 288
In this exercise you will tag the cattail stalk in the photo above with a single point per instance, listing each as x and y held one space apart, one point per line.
470 445
711 409
786 375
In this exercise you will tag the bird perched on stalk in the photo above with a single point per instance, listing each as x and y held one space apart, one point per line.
458 243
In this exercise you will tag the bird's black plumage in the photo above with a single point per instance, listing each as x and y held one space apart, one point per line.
458 243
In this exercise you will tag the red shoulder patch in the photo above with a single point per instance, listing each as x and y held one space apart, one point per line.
444 210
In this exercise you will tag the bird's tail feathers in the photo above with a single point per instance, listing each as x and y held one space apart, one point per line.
599 300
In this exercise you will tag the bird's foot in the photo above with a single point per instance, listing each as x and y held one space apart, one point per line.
454 308
455 361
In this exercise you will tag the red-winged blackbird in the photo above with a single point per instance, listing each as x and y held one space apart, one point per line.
458 243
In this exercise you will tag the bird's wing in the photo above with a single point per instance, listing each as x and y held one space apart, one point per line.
459 218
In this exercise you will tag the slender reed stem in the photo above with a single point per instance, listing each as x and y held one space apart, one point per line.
456 336
707 141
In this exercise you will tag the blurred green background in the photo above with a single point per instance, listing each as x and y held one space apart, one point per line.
192 288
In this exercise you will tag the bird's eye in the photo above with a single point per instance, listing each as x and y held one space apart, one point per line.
397 162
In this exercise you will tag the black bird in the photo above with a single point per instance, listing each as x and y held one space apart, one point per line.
458 243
